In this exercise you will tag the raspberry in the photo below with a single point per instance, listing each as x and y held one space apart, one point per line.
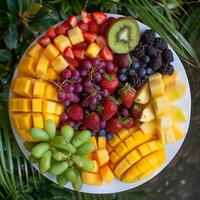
148 36
160 43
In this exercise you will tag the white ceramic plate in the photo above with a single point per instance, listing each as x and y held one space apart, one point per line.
171 149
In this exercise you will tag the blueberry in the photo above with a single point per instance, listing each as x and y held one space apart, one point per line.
122 77
143 65
145 59
135 65
142 72
122 70
131 72
109 136
149 70
102 132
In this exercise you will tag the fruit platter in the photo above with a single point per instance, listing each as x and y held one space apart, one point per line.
99 103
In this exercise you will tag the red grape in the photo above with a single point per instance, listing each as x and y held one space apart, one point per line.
86 64
87 83
84 102
70 96
109 67
97 77
121 60
83 72
103 124
75 74
61 96
124 112
95 61
66 102
63 117
135 113
67 74
105 93
93 101
68 88
76 99
78 87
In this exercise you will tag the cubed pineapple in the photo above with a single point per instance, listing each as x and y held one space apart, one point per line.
157 88
92 50
178 114
20 105
38 89
75 35
62 42
149 127
155 77
169 136
49 107
35 51
161 105
37 105
50 92
38 120
23 86
170 79
178 131
27 66
52 74
164 121
175 90
147 114
59 64
41 68
161 136
51 52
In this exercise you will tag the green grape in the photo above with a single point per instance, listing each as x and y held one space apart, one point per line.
81 138
60 155
40 149
62 180
67 132
88 165
70 162
32 159
78 184
71 175
45 162
29 145
60 142
85 148
58 168
50 127
39 134
77 159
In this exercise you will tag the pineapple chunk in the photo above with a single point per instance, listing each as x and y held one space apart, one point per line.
62 42
161 105
178 114
149 127
161 136
41 68
51 52
75 35
59 64
175 90
143 95
169 136
164 121
178 131
170 79
157 88
35 51
147 114
155 77
92 50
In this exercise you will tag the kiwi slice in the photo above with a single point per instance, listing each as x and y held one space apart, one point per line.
123 35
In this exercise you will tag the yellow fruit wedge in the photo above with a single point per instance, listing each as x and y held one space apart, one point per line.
149 127
178 131
175 91
170 79
143 95
178 114
147 114
161 105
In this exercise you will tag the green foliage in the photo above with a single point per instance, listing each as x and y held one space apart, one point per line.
23 20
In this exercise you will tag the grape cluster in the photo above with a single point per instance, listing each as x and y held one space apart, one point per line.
62 155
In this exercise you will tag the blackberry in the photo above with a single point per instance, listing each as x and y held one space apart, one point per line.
139 51
136 81
167 56
156 62
167 69
148 36
151 51
160 43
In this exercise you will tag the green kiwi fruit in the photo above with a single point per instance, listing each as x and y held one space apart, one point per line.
123 35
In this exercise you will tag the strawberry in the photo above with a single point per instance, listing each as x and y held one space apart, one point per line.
106 54
79 53
85 17
92 122
76 112
110 108
128 122
110 20
89 36
110 82
99 17
68 53
83 26
127 95
101 41
113 125
61 30
73 21
82 45
51 33
44 41
72 62
67 25
93 27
